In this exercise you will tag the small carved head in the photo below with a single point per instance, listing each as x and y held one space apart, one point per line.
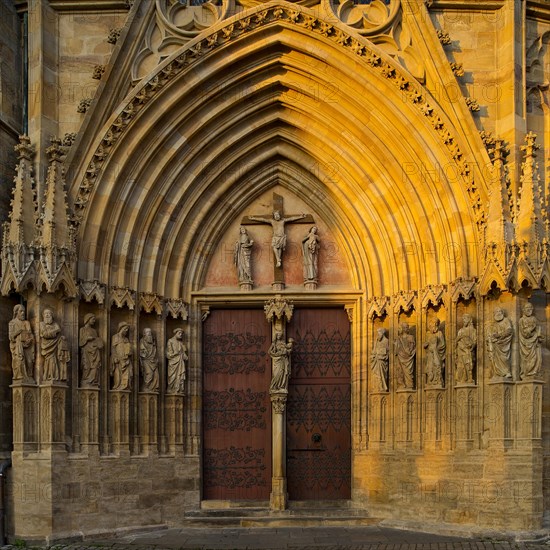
277 215
47 315
89 319
466 319
528 309
123 328
404 328
381 332
19 312
147 334
498 314
178 333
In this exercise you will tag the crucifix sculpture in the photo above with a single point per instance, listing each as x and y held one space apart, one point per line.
278 220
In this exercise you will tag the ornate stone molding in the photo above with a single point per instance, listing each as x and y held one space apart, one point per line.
463 288
278 401
404 300
278 308
255 19
176 308
92 290
433 294
123 297
150 303
378 306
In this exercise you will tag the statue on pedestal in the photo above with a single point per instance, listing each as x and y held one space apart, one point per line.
149 361
499 344
90 353
121 358
466 342
380 359
280 360
242 255
21 346
53 348
530 347
176 354
435 355
405 351
310 250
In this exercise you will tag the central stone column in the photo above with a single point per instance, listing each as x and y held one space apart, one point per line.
278 313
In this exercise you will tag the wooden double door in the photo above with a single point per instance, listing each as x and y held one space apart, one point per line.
237 409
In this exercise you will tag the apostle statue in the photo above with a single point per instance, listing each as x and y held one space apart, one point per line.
21 346
279 352
380 359
310 250
53 348
278 240
499 344
530 347
90 353
149 361
435 355
466 342
121 358
176 354
242 254
405 351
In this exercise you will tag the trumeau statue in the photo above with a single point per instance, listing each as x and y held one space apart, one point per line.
499 344
380 359
121 358
278 241
310 250
466 342
90 353
21 345
242 256
53 348
149 361
435 355
280 362
176 354
405 351
530 347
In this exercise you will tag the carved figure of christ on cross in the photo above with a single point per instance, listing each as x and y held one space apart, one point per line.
278 221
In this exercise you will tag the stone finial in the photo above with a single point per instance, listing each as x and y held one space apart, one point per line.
499 229
19 234
56 238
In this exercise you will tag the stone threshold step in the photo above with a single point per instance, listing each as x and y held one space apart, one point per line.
280 521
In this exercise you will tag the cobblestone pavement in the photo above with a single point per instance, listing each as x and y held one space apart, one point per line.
292 538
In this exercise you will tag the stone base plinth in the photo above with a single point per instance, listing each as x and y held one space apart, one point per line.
88 416
119 425
25 416
148 422
174 422
278 500
53 395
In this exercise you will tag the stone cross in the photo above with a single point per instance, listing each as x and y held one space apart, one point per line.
278 220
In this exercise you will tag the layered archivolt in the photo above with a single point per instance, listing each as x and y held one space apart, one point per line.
283 105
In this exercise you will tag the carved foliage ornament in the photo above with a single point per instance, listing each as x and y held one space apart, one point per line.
302 18
278 308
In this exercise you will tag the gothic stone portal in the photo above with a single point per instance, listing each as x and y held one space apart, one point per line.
237 410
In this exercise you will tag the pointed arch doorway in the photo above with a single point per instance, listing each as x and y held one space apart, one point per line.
237 429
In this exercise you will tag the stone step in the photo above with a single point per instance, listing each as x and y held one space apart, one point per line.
299 514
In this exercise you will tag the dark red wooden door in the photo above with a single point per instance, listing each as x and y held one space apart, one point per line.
319 406
236 406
